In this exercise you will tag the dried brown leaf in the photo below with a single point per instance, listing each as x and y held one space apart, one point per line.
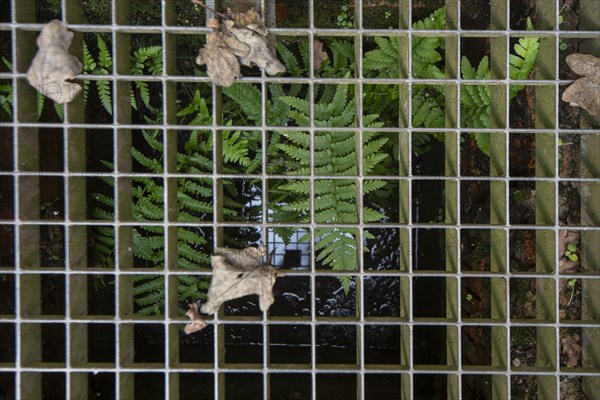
52 65
572 350
197 322
260 53
242 39
250 20
566 266
222 66
584 64
584 92
238 273
319 54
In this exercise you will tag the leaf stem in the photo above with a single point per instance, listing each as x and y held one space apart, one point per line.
201 4
572 293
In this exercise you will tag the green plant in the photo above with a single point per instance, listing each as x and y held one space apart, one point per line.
144 59
194 200
148 241
571 252
344 19
98 66
469 297
428 102
6 97
336 201
562 44
565 7
194 196
6 92
334 154
571 283
342 62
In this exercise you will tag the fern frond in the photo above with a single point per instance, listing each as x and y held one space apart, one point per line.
424 48
289 60
522 63
89 64
40 104
104 93
334 154
153 283
104 57
144 92
342 59
297 104
59 108
427 112
147 58
385 59
248 98
150 163
8 64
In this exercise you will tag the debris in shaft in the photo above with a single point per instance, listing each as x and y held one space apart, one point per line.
197 322
238 273
585 91
236 38
53 66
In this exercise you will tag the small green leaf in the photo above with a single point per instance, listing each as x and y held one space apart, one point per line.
573 257
560 19
340 18
572 282
572 247
563 46
344 8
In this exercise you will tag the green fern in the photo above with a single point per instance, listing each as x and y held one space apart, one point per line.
385 60
342 62
150 59
475 99
100 66
334 155
428 102
522 63
6 98
6 92
247 100
194 200
143 59
148 241
425 54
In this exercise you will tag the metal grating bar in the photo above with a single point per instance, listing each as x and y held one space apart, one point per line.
29 367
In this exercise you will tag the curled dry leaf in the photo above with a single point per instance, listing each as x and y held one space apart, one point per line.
238 273
53 66
584 64
319 54
197 322
584 92
241 39
572 350
219 55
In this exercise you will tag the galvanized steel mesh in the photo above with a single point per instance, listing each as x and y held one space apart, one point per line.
26 326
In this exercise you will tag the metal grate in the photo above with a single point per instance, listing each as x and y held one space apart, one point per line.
70 366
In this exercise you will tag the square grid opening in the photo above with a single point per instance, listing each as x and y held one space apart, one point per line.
431 200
